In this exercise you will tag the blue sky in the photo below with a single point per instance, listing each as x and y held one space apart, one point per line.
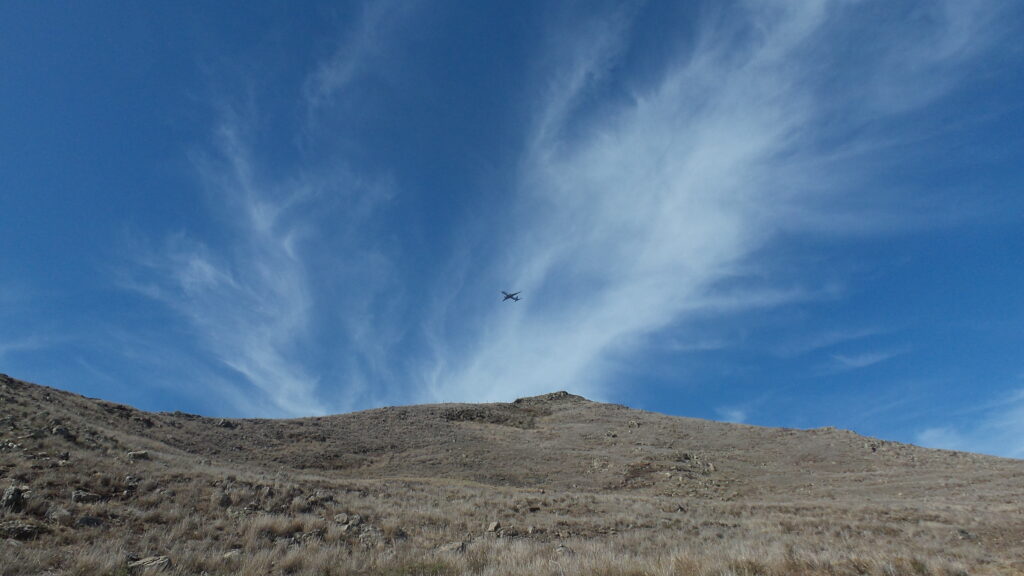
779 213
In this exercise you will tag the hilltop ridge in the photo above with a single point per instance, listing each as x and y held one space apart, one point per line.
572 470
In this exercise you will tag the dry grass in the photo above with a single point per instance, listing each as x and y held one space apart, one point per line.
666 496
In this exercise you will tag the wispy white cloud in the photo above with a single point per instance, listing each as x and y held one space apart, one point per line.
699 344
619 224
863 360
361 47
823 340
999 430
249 302
15 345
732 414
942 437
643 217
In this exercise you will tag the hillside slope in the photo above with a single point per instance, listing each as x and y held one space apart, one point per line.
92 481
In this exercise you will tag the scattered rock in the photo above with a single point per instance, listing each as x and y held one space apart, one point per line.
223 499
13 499
138 455
369 535
965 535
63 432
349 521
143 420
89 522
494 526
452 548
58 515
18 530
84 496
151 563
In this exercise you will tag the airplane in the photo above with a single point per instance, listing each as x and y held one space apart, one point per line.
513 296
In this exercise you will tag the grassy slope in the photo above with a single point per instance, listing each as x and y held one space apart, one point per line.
627 491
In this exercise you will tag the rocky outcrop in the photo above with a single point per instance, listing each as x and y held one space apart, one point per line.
13 499
20 530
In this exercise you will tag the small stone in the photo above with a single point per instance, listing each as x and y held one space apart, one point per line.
58 515
369 535
151 563
223 499
452 548
84 496
88 522
965 535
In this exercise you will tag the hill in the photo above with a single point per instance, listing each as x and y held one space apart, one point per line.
553 484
